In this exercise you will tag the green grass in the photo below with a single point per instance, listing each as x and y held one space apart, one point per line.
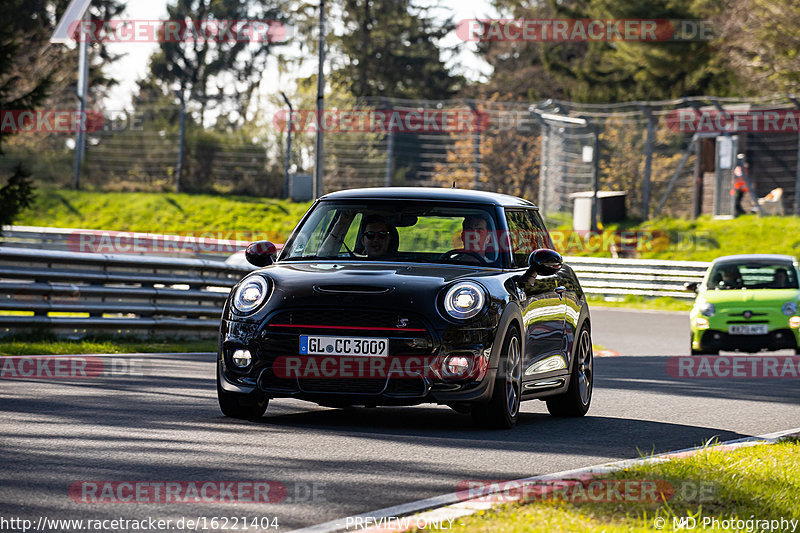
698 240
662 303
43 344
165 213
760 482
703 239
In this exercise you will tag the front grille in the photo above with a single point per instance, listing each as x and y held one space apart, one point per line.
269 382
406 387
348 318
343 386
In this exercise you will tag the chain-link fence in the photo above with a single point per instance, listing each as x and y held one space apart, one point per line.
669 158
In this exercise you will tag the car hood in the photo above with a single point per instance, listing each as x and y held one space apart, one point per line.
364 285
750 296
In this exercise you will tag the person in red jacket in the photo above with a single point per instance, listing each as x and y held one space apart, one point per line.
740 178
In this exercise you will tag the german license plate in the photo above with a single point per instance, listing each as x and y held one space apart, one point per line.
748 329
357 346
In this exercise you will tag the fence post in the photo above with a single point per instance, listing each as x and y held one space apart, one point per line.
648 162
181 141
476 162
288 147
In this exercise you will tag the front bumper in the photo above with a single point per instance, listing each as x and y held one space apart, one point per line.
277 340
714 340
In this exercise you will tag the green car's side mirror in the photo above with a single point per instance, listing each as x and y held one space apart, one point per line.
691 286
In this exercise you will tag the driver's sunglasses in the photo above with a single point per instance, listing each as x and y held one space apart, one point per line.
379 234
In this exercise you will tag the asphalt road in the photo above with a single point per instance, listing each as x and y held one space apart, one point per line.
166 426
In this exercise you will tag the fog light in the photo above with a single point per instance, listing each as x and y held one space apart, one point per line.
241 358
794 322
457 366
701 322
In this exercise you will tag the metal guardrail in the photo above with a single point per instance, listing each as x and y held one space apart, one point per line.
71 293
126 242
641 277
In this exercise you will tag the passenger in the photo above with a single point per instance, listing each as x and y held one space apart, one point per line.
780 279
379 238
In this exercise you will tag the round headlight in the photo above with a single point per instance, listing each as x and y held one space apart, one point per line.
250 294
789 308
708 309
464 300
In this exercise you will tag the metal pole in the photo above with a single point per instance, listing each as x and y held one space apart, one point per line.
648 163
797 171
319 164
288 147
476 151
83 91
389 156
697 203
797 181
181 141
595 174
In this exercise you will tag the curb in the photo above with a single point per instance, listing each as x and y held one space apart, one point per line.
449 507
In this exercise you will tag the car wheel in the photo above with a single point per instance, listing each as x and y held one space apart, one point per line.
576 401
236 405
502 411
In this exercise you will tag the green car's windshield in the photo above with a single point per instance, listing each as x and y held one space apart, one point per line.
736 276
399 232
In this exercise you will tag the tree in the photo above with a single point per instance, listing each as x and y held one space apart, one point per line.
214 72
391 48
15 196
509 156
761 42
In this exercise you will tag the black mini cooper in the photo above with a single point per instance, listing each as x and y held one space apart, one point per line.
401 296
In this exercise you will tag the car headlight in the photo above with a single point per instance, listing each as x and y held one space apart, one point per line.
708 309
789 308
250 295
464 300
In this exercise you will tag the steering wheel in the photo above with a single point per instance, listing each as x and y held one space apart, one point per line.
452 254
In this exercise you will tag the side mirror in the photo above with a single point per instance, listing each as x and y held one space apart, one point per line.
260 253
545 262
691 286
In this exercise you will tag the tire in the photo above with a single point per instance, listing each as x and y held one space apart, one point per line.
502 411
244 406
576 401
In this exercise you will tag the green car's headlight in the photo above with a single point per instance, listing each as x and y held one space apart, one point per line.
708 309
250 294
789 308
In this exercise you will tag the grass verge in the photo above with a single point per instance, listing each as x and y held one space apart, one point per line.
47 345
702 239
753 483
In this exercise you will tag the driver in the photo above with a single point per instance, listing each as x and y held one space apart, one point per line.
475 234
731 278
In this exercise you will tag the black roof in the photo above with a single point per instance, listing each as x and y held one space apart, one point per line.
429 193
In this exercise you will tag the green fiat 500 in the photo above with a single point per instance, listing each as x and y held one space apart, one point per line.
746 303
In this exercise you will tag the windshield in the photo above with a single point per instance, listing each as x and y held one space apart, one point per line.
732 276
425 232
